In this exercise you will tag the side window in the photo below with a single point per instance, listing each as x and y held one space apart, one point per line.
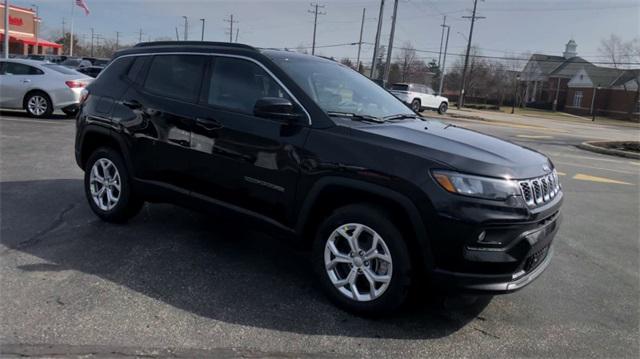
428 90
2 64
14 68
237 84
136 67
176 76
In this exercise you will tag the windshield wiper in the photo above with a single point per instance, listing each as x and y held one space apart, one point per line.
354 116
402 116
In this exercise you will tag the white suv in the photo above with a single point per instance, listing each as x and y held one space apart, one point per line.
420 97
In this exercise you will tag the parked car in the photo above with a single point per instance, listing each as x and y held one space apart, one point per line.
96 61
315 151
55 59
420 97
92 71
40 87
75 63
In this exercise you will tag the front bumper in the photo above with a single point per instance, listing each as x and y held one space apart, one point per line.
516 247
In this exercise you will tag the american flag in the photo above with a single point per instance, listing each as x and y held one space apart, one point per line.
83 5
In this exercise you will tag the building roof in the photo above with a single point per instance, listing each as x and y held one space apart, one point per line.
547 63
626 76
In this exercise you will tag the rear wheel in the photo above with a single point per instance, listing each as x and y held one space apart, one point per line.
442 109
362 261
108 187
416 105
38 104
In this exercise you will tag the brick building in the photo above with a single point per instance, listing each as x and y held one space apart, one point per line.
23 30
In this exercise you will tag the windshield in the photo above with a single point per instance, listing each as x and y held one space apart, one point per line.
61 69
337 88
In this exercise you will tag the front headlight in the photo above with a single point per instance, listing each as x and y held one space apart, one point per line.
476 186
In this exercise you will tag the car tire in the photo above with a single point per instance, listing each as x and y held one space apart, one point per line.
442 109
416 105
38 104
389 262
107 187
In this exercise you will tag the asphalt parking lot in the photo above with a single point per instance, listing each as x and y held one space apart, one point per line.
177 283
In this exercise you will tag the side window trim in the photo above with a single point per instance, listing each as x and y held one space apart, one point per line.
213 54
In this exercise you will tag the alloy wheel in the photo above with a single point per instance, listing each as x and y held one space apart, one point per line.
37 105
358 262
105 184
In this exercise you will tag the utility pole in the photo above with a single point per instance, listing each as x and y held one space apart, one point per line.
377 42
177 34
360 41
444 24
444 59
140 36
117 40
92 37
64 34
202 36
315 23
6 29
231 21
387 65
186 28
473 18
237 33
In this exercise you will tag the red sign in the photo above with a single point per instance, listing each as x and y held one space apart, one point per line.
15 21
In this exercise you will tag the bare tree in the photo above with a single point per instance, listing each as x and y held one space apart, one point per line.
622 56
406 60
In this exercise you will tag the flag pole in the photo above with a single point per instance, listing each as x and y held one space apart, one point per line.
73 5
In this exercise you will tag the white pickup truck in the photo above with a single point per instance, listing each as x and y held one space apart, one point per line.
420 97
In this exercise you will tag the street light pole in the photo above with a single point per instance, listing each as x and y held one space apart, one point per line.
35 27
186 28
6 29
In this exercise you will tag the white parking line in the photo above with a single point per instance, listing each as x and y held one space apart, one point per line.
42 122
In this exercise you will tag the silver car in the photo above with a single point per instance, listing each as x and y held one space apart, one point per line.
40 87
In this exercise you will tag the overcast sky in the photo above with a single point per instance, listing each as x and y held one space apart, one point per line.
511 26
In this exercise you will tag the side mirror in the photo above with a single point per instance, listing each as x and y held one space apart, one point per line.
277 108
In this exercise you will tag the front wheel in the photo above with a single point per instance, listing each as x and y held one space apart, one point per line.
442 109
108 187
416 106
362 260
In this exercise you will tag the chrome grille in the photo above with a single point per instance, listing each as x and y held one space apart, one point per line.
537 191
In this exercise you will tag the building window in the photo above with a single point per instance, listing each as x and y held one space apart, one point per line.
577 99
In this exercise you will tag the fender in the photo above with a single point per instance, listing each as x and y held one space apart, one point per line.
100 128
396 197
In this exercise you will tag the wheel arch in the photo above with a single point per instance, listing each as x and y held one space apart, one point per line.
32 91
94 137
330 193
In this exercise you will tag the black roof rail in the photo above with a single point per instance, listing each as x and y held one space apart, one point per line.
195 43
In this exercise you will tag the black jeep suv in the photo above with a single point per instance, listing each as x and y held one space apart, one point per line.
312 149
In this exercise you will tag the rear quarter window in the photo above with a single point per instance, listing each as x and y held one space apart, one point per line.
176 76
112 82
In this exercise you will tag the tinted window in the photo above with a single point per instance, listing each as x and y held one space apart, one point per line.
13 68
138 65
237 84
110 82
428 90
176 76
400 87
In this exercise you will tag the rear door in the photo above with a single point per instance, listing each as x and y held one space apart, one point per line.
16 79
241 159
160 111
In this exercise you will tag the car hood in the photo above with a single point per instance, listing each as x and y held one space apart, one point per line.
461 149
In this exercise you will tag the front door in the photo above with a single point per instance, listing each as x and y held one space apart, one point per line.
241 159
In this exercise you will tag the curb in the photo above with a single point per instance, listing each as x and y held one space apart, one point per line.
593 146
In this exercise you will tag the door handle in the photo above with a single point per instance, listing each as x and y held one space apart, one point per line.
132 104
26 81
209 124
